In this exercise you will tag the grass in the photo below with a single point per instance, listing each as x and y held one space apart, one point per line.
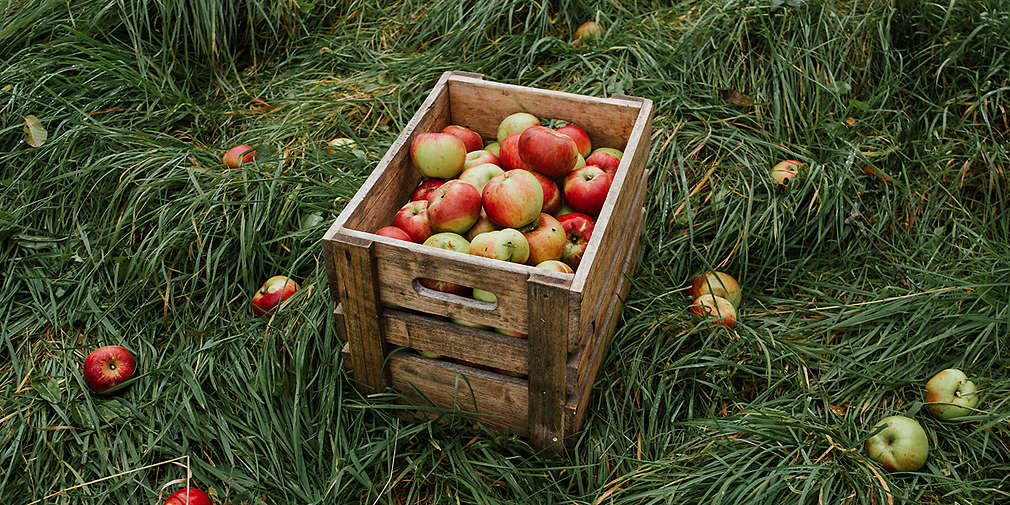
889 260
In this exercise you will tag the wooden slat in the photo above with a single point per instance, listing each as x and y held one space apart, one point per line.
356 286
548 303
481 105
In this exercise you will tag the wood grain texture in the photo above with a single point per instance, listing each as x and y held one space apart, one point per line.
548 352
360 299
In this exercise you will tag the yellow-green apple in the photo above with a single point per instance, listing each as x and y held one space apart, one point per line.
438 155
487 296
508 155
188 496
270 295
453 206
507 244
480 157
718 284
413 219
546 239
493 148
607 158
580 137
424 188
552 195
513 199
393 232
450 242
785 171
480 174
556 266
718 308
547 151
470 138
578 230
949 394
238 155
899 444
108 367
587 31
586 189
482 225
514 124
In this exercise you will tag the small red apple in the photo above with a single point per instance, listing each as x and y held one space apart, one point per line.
607 158
454 207
107 367
480 157
552 195
578 230
438 155
508 155
547 240
188 496
470 138
513 199
580 137
413 219
238 155
586 189
716 307
393 232
549 152
424 187
274 291
514 124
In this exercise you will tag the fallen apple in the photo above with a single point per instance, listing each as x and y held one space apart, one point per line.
438 155
587 31
718 284
270 295
188 496
717 308
108 367
949 394
514 124
238 155
785 171
900 445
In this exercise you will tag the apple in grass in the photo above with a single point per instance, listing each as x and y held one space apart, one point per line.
552 195
453 207
578 230
718 308
546 239
474 158
507 244
607 158
516 123
470 138
508 156
556 266
718 284
586 189
587 31
785 171
188 496
547 151
899 444
424 188
581 138
438 155
413 219
450 242
513 199
479 175
270 295
238 155
108 367
393 232
949 394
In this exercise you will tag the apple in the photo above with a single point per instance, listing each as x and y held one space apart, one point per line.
450 242
480 157
438 155
507 244
238 155
552 195
274 291
949 394
108 367
413 219
493 148
578 230
480 174
586 189
717 307
587 31
718 284
606 158
513 199
453 206
785 171
556 266
424 188
188 496
508 156
470 138
900 446
393 232
547 239
580 137
547 151
515 124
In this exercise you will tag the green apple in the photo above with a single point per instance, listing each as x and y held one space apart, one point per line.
900 445
515 123
949 394
507 244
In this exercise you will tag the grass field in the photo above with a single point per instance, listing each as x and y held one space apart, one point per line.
887 262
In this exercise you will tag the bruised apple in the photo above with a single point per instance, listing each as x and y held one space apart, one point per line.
546 239
718 284
949 394
507 244
274 291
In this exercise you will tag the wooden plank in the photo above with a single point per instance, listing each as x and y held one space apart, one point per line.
603 247
360 300
331 271
481 105
548 304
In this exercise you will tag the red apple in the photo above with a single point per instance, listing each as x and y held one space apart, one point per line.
556 266
483 224
480 157
547 240
413 219
586 189
547 151
513 199
480 174
450 242
718 284
578 230
493 148
508 156
470 138
514 124
453 206
507 245
716 307
108 367
785 171
606 158
438 155
552 195
238 155
424 188
274 291
580 137
188 496
393 232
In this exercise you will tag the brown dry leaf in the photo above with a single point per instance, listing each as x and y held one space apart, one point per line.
35 134
735 97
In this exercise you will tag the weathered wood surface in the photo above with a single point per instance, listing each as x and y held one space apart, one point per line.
356 287
548 352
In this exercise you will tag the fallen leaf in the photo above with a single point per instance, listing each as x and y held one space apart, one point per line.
35 134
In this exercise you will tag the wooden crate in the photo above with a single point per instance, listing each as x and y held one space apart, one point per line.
568 318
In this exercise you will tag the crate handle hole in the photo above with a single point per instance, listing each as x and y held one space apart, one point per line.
489 301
